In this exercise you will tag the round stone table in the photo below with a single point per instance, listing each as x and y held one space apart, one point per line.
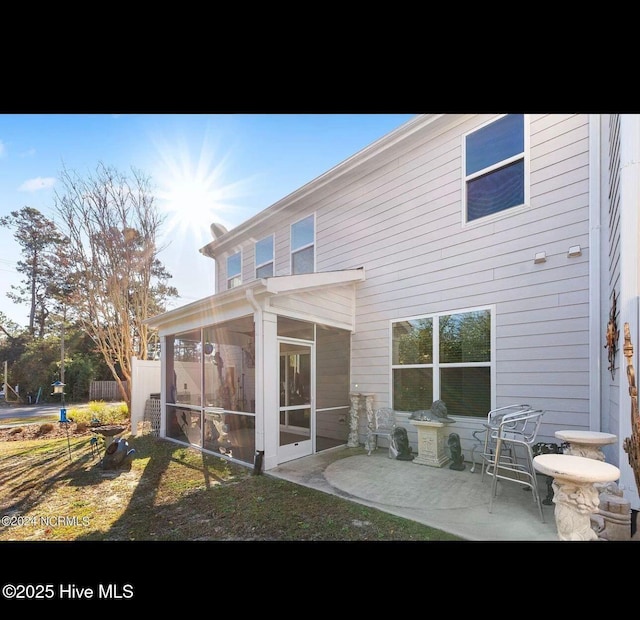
574 491
586 443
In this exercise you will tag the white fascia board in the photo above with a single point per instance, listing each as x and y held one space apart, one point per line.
270 286
307 281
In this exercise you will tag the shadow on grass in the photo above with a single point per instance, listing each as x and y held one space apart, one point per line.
171 482
175 493
140 500
31 473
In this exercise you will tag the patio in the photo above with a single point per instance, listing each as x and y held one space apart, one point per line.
450 500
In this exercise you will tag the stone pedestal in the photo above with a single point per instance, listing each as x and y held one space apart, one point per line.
431 443
366 404
361 405
612 519
574 491
586 443
352 441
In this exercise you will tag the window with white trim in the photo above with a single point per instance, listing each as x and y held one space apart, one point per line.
302 245
234 269
495 170
264 257
446 357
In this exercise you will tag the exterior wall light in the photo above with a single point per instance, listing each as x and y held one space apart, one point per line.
574 250
540 257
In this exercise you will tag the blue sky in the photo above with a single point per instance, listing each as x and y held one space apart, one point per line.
204 167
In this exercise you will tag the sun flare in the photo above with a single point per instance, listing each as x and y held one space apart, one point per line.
193 193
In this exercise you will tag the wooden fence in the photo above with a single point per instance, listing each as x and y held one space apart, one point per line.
105 390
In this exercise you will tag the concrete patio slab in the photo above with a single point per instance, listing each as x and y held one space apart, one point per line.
453 501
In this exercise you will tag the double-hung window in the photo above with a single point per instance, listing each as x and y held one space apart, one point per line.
234 268
446 357
302 245
264 257
495 167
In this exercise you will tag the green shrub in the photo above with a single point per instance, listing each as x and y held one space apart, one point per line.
106 413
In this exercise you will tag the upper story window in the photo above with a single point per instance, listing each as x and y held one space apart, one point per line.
234 268
302 246
264 257
447 357
495 171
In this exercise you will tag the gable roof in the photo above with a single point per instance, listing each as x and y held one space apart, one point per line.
359 159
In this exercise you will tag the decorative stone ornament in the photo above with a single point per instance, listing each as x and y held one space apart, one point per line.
575 491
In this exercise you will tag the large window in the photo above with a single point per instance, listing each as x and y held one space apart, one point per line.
302 246
495 171
443 357
234 269
264 257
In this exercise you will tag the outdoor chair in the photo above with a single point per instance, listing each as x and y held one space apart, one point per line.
512 459
382 424
485 436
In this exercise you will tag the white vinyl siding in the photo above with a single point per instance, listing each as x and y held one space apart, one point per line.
333 307
402 222
611 405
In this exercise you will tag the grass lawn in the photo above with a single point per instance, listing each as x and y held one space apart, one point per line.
55 490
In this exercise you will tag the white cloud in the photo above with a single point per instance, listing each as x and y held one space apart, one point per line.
3 149
34 185
29 153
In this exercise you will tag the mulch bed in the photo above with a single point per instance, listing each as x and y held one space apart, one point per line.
48 430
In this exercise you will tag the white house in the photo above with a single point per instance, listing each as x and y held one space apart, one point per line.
472 258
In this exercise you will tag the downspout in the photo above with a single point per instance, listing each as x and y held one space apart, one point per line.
259 366
595 278
163 387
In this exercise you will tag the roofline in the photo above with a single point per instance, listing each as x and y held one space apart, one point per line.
263 286
235 294
405 130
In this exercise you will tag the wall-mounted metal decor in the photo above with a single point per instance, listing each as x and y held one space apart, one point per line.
612 337
631 444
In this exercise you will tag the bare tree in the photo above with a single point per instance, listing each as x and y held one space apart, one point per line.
115 280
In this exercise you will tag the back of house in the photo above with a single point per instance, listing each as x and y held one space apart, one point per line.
467 258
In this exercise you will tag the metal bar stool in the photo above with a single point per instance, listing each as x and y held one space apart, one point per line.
516 434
